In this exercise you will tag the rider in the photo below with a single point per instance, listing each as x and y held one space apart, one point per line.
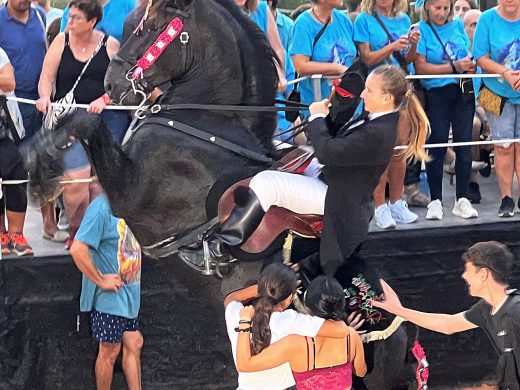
354 158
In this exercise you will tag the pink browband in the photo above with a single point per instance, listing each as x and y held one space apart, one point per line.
154 52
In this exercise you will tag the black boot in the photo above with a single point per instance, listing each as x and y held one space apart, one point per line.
241 223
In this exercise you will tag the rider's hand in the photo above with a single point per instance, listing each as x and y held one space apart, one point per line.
111 282
391 302
320 107
247 313
97 106
43 104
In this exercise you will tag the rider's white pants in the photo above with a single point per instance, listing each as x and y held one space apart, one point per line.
298 193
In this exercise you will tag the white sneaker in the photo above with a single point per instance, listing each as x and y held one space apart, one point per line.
383 217
401 213
464 209
434 210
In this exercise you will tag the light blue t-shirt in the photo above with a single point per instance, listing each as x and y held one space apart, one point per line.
336 45
260 15
52 15
114 15
368 30
285 29
500 40
455 40
114 250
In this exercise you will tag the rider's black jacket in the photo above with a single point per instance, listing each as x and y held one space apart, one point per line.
354 161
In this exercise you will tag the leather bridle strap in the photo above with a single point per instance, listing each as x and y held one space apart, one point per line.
156 108
210 138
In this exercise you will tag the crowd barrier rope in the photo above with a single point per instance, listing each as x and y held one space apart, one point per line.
316 78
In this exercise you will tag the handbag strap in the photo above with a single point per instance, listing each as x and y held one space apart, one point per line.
98 47
443 47
397 55
315 41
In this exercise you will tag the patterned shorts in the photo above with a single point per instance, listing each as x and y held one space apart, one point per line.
108 328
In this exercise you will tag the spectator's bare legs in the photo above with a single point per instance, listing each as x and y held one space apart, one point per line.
15 222
505 167
105 361
132 345
396 172
379 192
49 218
76 197
517 163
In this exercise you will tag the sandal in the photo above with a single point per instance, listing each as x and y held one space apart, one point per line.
58 236
416 198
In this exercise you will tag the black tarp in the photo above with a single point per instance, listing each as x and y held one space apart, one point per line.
186 345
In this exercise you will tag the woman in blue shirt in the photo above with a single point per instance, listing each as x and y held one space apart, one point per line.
331 55
445 103
375 49
496 48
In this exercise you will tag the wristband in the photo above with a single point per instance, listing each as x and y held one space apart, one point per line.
245 322
504 72
106 99
245 330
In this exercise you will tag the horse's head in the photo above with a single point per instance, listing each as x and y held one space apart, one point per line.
156 53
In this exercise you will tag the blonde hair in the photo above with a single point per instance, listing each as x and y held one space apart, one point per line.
369 6
425 15
393 81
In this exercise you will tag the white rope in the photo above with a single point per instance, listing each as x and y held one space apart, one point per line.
71 181
469 143
76 105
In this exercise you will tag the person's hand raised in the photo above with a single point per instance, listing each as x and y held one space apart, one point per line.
414 37
320 107
247 313
390 302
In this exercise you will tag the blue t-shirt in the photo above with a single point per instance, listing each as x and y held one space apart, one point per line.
455 40
260 15
25 47
285 29
500 40
114 250
368 30
336 45
114 15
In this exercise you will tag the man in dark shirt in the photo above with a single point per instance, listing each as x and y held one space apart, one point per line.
487 268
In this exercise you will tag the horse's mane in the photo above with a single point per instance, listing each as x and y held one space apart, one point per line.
256 57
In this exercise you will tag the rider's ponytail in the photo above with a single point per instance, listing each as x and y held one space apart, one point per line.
277 283
394 82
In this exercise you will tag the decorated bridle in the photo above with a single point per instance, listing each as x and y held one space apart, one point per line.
136 73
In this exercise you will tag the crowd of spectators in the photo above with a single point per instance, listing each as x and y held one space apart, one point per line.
320 39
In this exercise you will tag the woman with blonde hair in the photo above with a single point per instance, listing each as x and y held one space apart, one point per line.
383 34
445 48
354 159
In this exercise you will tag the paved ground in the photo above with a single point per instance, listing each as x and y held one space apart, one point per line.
487 214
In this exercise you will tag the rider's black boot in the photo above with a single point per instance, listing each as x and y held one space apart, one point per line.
242 222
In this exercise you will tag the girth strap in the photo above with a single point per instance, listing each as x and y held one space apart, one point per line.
205 136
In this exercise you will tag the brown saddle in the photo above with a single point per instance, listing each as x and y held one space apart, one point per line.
275 221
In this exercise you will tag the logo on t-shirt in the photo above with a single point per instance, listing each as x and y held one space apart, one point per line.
454 51
128 254
340 55
510 56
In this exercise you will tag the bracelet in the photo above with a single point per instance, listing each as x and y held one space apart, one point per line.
245 330
106 99
504 72
245 322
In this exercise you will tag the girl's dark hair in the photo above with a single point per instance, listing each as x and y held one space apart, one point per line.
91 8
277 282
494 256
325 298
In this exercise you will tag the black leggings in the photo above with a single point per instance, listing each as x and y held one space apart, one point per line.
11 168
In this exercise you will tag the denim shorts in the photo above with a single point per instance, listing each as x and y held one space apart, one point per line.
75 157
108 328
506 125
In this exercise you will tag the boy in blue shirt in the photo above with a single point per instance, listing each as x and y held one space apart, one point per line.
108 255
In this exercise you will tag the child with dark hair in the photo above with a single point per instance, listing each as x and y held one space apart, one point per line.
271 296
316 362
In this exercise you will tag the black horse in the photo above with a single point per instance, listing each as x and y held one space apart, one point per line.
165 182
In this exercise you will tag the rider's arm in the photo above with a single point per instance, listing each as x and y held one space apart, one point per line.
357 148
242 294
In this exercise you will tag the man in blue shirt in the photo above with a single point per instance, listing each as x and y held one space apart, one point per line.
22 36
114 15
108 255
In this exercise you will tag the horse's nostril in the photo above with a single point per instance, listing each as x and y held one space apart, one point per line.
108 87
